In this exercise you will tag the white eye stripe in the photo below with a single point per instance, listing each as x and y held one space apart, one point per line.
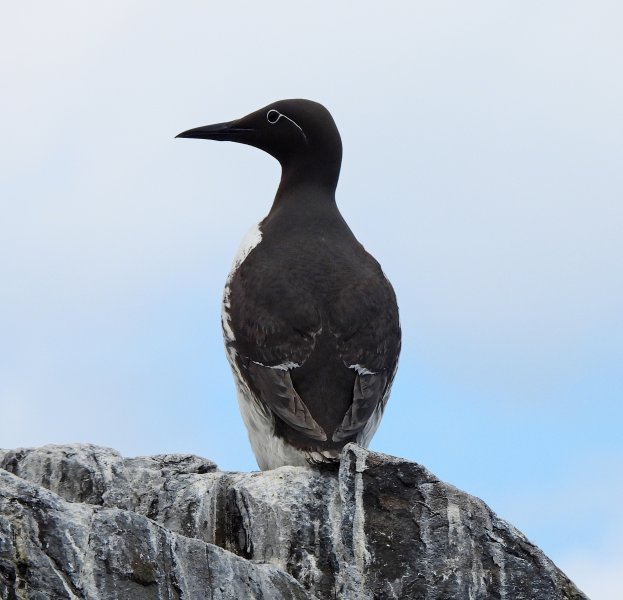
273 116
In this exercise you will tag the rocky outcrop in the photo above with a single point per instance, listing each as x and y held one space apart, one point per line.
82 522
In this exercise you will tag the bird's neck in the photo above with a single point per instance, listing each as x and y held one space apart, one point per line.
306 183
305 203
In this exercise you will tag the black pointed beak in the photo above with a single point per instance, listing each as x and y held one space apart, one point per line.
221 131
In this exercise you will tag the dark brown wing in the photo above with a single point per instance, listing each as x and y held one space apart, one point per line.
271 336
366 325
368 393
276 390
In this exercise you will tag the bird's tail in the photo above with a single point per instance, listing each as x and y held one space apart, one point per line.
322 458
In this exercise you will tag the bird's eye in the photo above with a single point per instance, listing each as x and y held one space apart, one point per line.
272 116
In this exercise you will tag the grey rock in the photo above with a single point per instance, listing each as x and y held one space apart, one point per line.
81 521
54 549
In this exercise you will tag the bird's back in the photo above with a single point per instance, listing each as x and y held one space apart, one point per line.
309 300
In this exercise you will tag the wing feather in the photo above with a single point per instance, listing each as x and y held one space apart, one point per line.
277 392
368 391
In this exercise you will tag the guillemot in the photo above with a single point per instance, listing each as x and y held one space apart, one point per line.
310 321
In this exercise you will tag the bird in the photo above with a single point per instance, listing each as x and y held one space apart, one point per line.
310 321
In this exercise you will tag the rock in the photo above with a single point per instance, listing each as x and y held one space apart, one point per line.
81 521
53 549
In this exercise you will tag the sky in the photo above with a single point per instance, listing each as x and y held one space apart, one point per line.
482 167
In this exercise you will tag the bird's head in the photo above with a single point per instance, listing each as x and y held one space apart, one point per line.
300 134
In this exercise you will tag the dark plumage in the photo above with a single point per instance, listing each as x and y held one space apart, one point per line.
310 321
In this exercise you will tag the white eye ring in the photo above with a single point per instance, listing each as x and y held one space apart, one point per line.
272 116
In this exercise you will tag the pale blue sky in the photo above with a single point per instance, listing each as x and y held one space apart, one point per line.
483 144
